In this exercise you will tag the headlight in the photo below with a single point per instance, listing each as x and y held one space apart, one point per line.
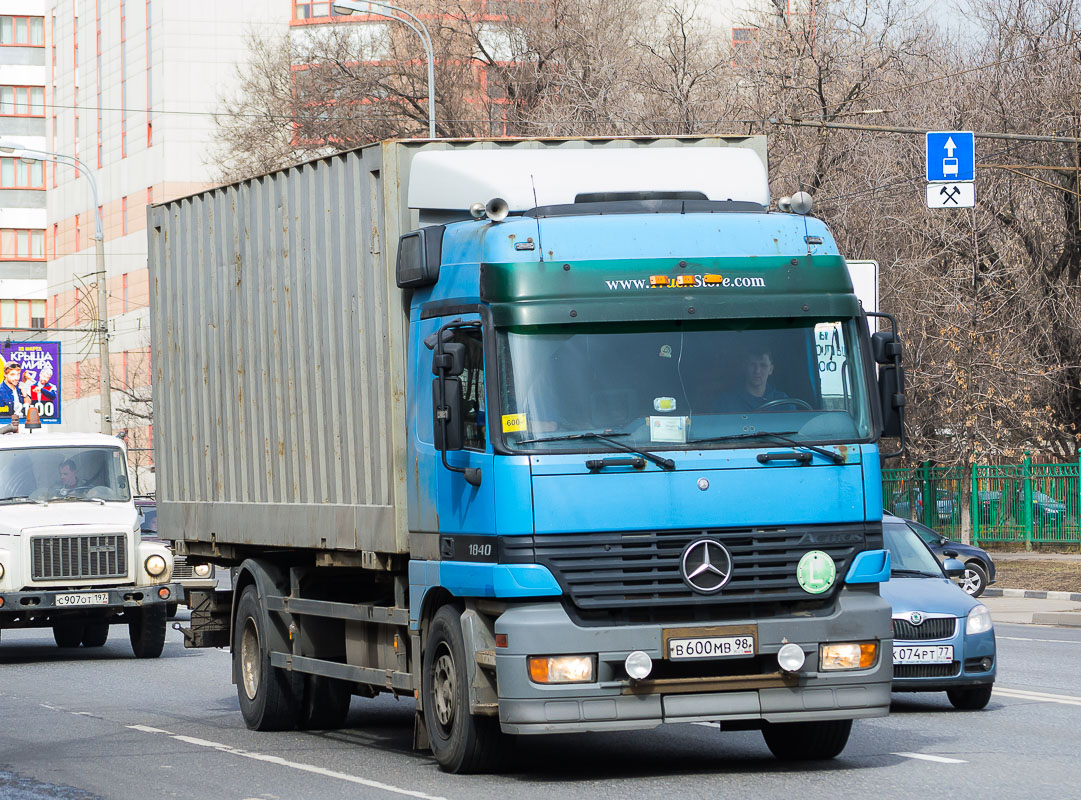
1 571
155 565
790 657
202 570
852 655
979 620
561 669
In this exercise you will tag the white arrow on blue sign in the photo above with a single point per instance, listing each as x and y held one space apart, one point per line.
951 156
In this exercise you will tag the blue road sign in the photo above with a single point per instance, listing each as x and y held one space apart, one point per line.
951 156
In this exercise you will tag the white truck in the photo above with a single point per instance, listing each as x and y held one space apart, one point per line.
72 557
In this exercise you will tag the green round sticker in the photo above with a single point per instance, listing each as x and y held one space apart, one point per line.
816 572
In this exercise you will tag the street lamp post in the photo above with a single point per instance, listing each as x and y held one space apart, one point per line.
347 7
32 154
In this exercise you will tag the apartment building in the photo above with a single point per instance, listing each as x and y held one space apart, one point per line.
22 184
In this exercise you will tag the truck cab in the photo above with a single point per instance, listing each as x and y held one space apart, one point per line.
71 554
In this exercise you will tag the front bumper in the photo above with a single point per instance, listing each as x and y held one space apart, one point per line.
966 669
614 702
39 608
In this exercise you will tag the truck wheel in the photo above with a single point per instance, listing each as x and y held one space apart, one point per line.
269 697
807 741
95 634
147 631
68 634
461 742
171 609
326 703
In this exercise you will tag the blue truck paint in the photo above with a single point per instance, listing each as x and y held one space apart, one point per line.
870 566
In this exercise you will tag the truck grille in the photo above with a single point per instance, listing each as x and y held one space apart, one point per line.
933 628
182 570
639 571
61 557
926 670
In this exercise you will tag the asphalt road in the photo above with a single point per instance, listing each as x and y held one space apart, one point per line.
100 724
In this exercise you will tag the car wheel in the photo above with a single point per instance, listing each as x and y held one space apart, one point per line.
974 581
68 634
146 631
970 699
807 741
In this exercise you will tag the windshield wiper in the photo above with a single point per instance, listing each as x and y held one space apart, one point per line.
918 572
72 498
660 461
22 498
780 436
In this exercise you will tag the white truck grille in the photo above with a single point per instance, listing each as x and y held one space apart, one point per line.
61 557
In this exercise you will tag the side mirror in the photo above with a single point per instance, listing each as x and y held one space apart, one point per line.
419 254
451 362
886 350
448 411
885 347
953 568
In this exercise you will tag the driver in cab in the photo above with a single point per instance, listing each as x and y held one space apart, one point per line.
756 389
69 484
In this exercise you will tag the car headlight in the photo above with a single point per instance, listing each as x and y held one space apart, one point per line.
202 570
1 571
849 655
155 565
979 620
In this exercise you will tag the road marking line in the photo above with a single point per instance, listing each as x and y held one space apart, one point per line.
1040 697
328 773
936 759
1028 639
708 724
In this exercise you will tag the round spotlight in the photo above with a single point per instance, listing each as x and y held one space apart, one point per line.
638 665
1 570
985 663
202 570
790 657
155 565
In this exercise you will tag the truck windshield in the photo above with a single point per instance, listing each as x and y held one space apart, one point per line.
709 384
40 474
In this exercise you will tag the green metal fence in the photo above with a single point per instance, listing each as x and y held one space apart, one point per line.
1019 504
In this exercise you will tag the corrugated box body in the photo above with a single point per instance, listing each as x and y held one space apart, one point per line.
279 350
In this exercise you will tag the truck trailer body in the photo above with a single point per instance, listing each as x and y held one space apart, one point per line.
552 435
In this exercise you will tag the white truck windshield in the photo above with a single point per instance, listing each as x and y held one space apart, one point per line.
41 474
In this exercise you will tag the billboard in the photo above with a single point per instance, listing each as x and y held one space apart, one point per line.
31 377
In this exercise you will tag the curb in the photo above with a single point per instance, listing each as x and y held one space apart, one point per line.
1073 597
1064 619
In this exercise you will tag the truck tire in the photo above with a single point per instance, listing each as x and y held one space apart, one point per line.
326 703
269 697
68 634
807 741
171 609
147 631
460 741
95 634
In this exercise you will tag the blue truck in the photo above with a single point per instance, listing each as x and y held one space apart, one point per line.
549 435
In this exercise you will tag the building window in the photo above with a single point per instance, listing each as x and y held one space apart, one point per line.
22 101
37 314
22 31
743 47
18 174
310 9
22 244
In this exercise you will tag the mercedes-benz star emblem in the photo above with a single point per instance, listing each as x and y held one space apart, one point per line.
706 566
915 617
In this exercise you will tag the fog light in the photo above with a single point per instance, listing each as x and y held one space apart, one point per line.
790 657
164 593
561 669
202 570
849 655
155 565
638 665
985 662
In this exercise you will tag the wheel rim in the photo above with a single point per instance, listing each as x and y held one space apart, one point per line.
250 658
444 688
970 582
